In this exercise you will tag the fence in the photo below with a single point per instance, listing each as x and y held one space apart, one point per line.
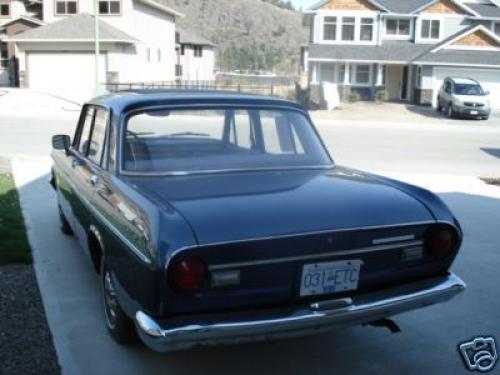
284 91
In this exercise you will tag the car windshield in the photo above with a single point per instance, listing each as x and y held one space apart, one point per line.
190 140
468 89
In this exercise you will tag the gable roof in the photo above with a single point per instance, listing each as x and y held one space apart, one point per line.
32 20
490 10
376 3
403 7
462 34
188 37
459 4
79 28
439 55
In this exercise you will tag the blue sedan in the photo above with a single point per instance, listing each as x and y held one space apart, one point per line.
216 218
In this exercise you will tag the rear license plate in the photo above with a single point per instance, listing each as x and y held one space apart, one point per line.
330 277
473 112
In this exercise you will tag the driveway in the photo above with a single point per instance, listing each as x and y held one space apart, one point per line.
428 341
443 157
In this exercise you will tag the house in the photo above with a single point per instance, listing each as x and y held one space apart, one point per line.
196 57
16 16
137 44
406 47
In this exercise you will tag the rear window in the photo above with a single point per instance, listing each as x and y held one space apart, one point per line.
189 140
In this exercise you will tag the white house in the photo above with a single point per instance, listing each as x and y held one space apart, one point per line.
15 16
196 57
137 43
406 48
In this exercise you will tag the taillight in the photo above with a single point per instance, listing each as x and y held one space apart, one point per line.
188 274
440 241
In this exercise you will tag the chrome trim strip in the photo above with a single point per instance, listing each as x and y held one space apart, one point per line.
365 308
361 250
379 241
106 222
312 233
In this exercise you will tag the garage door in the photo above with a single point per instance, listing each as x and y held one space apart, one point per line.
489 79
58 70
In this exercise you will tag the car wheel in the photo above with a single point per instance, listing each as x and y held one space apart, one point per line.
120 326
64 225
450 112
439 107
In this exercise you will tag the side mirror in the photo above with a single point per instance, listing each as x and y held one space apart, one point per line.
61 142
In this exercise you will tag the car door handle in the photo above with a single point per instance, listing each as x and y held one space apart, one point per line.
94 180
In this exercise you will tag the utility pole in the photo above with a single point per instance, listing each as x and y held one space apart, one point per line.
97 84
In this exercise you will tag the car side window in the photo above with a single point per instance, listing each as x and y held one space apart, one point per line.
241 133
82 144
98 138
447 87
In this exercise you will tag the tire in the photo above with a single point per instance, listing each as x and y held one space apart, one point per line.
119 325
439 107
64 225
450 111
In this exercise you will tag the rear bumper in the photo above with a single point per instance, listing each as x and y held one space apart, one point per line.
304 320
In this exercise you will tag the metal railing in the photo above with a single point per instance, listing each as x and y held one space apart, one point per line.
286 91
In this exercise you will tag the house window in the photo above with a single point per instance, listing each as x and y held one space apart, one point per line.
342 72
397 27
198 51
348 27
366 30
4 60
419 77
109 7
4 9
497 28
327 72
65 7
362 75
178 70
183 50
330 28
430 29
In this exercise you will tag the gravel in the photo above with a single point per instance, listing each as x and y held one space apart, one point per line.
26 345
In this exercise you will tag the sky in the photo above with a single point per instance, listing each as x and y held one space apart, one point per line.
303 3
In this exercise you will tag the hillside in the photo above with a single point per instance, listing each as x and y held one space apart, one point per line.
250 34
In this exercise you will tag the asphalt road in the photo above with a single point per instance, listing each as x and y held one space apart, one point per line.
433 155
460 147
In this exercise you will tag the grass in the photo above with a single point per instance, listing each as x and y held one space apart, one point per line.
14 246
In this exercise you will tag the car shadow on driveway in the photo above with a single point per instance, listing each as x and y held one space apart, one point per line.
428 341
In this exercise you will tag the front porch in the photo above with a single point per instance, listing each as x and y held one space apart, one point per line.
400 81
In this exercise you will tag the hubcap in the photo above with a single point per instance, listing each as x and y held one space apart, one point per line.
110 301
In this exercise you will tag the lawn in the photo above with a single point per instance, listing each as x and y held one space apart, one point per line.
14 246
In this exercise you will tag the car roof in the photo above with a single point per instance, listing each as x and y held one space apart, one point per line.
124 101
462 80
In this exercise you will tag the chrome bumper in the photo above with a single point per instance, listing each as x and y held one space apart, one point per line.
304 320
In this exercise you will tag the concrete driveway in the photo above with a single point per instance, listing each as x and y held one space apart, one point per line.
428 341
445 158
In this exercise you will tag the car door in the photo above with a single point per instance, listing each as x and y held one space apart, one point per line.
84 162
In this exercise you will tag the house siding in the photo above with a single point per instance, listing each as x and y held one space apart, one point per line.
477 39
348 5
443 7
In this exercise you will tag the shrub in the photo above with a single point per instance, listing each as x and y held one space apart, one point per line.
381 96
353 97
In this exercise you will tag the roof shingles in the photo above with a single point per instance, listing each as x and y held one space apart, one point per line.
75 28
